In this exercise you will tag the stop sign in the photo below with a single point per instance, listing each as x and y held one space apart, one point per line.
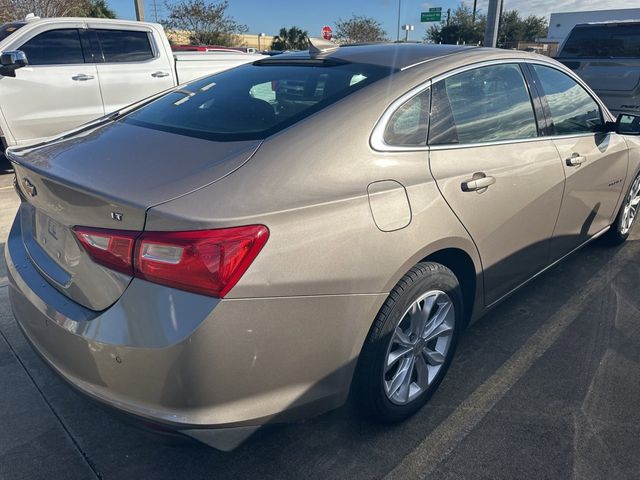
327 33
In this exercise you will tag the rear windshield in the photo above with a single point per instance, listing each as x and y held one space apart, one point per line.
603 41
8 28
254 101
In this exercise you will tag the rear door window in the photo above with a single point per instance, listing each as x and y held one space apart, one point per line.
573 110
125 45
603 41
55 47
486 104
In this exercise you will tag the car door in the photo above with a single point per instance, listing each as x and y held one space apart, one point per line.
57 91
502 180
133 67
594 161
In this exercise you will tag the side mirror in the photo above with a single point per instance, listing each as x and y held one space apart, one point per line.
628 124
11 61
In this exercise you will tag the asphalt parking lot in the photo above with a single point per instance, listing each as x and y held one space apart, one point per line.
546 386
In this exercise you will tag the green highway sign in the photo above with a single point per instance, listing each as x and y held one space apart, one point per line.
431 16
435 9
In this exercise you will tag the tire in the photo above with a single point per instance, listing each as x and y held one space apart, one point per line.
427 287
621 227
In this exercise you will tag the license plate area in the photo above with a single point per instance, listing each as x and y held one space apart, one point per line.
50 235
44 239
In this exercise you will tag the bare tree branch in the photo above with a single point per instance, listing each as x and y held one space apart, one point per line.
207 23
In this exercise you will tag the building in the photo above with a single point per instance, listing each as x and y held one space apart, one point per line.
548 49
245 40
560 24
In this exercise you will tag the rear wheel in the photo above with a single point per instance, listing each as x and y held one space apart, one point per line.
623 223
411 343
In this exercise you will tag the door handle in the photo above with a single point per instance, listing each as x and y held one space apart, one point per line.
575 160
479 182
82 77
159 74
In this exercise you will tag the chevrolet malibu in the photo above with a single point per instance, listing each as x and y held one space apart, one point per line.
253 246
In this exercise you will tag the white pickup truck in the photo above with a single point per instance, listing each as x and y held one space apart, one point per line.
58 73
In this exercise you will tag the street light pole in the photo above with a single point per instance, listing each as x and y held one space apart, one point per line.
493 22
139 10
399 4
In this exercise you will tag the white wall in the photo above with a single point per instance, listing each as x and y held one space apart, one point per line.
561 24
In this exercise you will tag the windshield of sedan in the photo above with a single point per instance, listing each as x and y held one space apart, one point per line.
8 28
254 101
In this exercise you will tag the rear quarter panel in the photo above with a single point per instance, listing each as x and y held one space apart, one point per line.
308 184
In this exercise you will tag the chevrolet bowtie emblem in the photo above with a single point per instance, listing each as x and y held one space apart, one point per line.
29 187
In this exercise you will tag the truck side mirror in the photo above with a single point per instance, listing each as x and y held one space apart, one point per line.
11 61
627 124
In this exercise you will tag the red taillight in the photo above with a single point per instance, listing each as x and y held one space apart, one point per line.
111 248
209 262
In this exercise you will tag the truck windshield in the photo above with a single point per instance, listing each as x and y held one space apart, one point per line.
254 101
603 41
8 28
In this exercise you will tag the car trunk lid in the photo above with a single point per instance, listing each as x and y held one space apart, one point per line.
107 178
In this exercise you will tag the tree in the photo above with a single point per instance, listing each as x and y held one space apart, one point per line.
207 23
359 29
293 38
99 9
18 9
514 29
459 29
535 27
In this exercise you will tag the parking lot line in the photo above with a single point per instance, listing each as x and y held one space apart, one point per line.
434 448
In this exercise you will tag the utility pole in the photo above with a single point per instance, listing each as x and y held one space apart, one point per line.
399 4
475 6
493 22
155 10
448 15
139 10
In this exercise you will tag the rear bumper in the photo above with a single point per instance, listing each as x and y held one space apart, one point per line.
192 363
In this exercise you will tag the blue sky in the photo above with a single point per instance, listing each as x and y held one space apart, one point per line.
269 15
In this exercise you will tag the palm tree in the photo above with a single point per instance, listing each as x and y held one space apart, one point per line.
292 39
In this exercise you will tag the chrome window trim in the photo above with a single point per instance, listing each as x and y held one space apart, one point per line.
377 135
457 146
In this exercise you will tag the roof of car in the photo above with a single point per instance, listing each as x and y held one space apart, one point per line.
45 20
394 55
612 23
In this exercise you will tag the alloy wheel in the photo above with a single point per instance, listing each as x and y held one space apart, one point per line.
630 209
418 347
